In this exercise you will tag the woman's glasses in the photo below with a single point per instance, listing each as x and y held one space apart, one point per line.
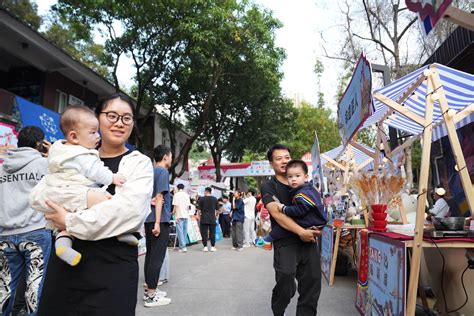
113 117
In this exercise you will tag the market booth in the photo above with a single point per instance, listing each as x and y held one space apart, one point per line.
339 166
429 103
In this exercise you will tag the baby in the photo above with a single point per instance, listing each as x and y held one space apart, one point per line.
75 175
306 206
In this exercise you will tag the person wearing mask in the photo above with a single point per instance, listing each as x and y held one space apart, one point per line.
106 281
207 212
224 216
249 223
441 207
238 217
25 244
181 205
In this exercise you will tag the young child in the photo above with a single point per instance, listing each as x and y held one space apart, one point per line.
75 173
306 207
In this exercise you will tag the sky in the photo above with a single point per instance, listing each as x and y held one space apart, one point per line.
303 20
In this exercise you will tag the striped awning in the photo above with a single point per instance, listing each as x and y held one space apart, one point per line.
341 153
458 87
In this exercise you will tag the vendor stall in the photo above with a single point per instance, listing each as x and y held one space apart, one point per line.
429 103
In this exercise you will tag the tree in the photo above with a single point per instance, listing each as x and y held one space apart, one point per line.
77 40
319 70
312 119
25 10
249 87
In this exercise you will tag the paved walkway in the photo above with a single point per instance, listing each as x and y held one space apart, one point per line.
229 283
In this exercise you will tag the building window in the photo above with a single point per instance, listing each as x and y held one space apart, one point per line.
61 101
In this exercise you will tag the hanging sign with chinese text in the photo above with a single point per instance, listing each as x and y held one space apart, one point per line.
356 104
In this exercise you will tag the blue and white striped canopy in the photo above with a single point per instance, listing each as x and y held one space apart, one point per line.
341 153
458 87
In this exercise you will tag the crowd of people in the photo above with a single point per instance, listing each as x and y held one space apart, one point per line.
94 195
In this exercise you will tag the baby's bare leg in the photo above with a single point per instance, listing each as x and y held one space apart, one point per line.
96 197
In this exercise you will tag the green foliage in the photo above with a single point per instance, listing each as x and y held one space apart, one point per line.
250 156
198 152
25 10
367 136
78 43
252 183
310 119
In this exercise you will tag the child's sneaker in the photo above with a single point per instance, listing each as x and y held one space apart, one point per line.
260 243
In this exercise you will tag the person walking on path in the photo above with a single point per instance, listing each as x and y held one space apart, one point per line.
25 244
249 223
207 210
106 281
296 255
224 216
181 205
238 217
157 228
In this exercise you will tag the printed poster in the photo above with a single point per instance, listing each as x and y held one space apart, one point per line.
8 139
33 114
387 276
194 234
327 246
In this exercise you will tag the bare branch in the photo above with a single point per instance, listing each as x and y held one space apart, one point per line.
335 57
375 41
406 29
370 12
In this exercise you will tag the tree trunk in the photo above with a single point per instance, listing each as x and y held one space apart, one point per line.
409 168
216 158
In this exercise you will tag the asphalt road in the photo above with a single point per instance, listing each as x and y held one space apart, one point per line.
229 283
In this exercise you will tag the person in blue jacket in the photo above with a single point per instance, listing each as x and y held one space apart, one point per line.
306 206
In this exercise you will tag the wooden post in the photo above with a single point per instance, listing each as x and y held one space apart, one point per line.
403 214
454 140
420 207
366 215
460 17
334 256
377 152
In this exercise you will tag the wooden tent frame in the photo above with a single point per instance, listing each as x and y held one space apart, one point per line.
435 92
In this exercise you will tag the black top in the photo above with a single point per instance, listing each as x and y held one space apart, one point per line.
281 191
113 164
208 206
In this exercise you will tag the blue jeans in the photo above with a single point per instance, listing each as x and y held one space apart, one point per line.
26 253
182 232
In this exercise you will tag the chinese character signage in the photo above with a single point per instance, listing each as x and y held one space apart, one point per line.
429 11
387 286
356 105
261 168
